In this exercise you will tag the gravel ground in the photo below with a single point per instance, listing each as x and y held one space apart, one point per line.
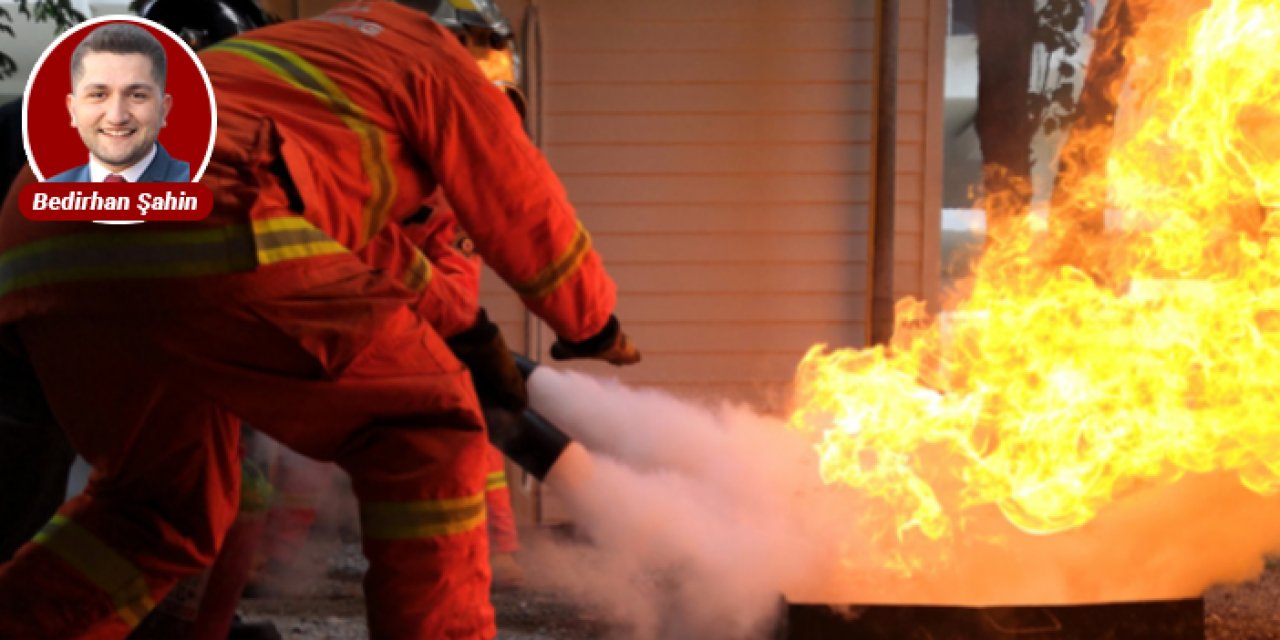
1249 611
329 607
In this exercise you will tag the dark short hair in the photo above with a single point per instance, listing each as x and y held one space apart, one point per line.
123 38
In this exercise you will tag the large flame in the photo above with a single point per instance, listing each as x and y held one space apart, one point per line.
1064 381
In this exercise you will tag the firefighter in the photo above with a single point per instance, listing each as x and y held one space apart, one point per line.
450 302
204 605
329 130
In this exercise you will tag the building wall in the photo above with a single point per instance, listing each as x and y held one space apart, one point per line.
720 153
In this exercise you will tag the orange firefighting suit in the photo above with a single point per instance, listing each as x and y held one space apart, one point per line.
203 605
328 129
449 303
504 537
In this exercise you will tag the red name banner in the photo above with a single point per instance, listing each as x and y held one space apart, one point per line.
116 201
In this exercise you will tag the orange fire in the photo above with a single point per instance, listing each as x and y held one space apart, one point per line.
1062 382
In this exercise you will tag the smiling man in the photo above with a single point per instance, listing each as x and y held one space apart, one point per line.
118 104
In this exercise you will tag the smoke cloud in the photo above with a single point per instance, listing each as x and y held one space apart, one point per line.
699 519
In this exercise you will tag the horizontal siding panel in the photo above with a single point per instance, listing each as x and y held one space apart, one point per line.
764 188
721 218
671 368
490 282
771 398
502 306
911 9
735 249
507 312
513 334
910 127
912 66
707 129
495 293
714 66
913 35
736 307
909 157
720 322
821 277
767 397
804 157
911 97
908 217
906 246
749 98
908 187
589 12
906 279
725 35
760 337
720 154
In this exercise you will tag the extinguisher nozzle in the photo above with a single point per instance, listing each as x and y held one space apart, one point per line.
527 438
524 364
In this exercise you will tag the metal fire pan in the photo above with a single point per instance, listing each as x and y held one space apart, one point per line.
1143 620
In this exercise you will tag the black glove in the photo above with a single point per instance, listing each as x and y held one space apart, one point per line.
611 345
493 372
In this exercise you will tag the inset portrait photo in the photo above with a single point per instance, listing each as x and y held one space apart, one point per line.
118 99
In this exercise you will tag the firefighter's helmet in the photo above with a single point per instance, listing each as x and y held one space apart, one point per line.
487 34
203 22
479 21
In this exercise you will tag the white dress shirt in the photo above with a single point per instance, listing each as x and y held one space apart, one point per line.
98 173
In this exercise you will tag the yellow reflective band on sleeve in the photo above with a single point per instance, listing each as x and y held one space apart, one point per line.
295 70
418 275
146 254
101 565
149 254
132 254
291 238
495 480
465 5
421 518
556 273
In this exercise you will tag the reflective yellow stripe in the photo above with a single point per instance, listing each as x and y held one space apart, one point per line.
148 254
291 238
421 519
495 480
465 5
127 255
556 273
418 275
295 70
106 569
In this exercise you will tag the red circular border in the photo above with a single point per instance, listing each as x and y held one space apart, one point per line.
54 146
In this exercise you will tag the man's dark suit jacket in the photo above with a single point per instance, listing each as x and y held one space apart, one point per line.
164 168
